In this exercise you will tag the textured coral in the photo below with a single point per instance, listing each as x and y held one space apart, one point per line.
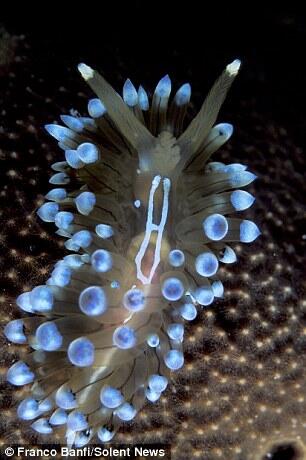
242 390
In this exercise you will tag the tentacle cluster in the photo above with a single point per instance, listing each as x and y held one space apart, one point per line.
146 217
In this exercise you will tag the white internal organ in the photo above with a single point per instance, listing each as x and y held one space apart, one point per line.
151 227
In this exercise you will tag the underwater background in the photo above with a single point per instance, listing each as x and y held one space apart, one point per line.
242 392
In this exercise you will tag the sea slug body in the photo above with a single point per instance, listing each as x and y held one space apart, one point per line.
148 219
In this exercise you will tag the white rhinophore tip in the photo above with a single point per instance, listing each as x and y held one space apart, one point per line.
86 71
233 67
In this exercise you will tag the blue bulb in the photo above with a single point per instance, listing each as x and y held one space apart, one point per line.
59 417
224 129
65 399
228 256
241 200
104 231
82 438
81 352
124 337
85 202
152 396
82 239
77 421
176 331
143 99
130 95
188 311
74 261
217 288
183 94
134 300
234 167
48 337
24 302
105 435
45 405
28 409
56 194
19 374
215 227
157 383
48 211
73 123
88 152
206 264
248 231
63 219
126 412
163 87
176 258
172 289
115 284
153 340
42 426
60 178
101 261
60 133
111 397
241 178
41 299
73 159
61 275
174 360
204 295
93 301
95 108
14 331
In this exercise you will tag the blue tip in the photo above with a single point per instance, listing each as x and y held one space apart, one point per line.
77 421
41 299
85 202
176 258
130 95
101 261
65 399
241 179
153 340
61 275
83 239
188 311
81 352
42 426
126 412
204 295
95 108
20 374
73 123
73 159
152 396
74 261
174 360
93 301
82 438
157 383
124 337
111 397
183 94
104 231
56 194
206 264
143 99
163 87
48 337
228 256
60 178
48 211
28 409
134 300
105 435
14 331
224 129
215 227
176 331
172 289
217 288
59 417
88 152
241 200
248 231
60 132
234 167
24 302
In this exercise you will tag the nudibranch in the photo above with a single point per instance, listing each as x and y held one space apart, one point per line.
148 219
